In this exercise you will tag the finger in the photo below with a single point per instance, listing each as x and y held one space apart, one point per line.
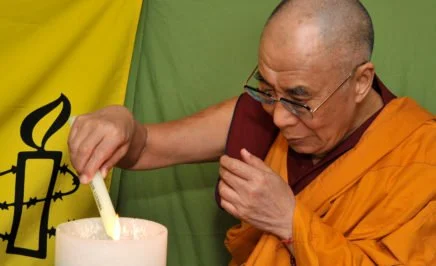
230 208
72 141
84 179
88 143
102 152
228 193
78 147
72 134
74 122
235 182
238 167
254 161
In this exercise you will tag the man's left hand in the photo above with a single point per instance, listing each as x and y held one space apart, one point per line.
253 193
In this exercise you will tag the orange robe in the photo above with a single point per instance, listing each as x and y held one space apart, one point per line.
375 205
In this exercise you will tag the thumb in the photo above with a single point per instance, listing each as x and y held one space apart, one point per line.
254 161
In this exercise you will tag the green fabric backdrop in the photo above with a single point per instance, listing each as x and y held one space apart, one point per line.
191 54
405 45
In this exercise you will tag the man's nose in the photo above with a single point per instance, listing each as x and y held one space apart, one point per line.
282 117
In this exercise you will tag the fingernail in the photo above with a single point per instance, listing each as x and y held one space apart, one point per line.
83 179
104 172
247 153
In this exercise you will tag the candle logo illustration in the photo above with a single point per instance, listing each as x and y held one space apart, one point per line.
36 208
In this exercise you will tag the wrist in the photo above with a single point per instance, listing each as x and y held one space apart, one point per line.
135 147
285 231
286 238
139 141
285 234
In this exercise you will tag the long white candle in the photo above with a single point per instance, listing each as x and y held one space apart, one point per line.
106 209
107 212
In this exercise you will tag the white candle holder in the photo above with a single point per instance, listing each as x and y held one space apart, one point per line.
85 242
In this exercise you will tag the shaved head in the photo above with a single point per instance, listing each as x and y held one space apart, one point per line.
317 53
344 26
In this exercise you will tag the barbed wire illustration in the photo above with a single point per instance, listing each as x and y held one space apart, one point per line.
19 170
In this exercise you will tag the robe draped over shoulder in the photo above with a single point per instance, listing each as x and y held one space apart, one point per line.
374 205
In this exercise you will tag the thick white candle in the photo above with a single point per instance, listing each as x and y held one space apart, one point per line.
84 243
106 209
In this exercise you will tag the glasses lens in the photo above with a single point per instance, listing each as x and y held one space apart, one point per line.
265 97
297 110
259 95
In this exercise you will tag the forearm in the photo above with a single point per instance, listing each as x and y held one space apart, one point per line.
197 138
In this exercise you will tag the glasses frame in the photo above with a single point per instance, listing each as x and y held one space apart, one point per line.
305 106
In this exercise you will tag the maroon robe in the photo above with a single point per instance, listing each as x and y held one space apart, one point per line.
252 128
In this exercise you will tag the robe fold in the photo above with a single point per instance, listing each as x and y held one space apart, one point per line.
374 205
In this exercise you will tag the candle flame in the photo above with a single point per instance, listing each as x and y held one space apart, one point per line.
117 228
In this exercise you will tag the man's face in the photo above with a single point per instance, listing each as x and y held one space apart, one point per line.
294 64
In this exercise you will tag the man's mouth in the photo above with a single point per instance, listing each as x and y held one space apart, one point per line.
295 140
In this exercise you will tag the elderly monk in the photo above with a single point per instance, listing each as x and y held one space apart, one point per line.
323 165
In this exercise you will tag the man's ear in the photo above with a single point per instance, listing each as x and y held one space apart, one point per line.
364 76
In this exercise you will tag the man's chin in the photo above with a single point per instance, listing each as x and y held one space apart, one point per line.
302 148
307 149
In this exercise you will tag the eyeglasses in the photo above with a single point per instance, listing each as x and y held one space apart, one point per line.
303 111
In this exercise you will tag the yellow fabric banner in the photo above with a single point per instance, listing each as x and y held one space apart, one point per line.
57 58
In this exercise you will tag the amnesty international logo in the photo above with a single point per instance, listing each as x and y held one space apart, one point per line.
31 212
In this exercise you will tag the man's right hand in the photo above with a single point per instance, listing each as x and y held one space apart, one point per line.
111 137
102 139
